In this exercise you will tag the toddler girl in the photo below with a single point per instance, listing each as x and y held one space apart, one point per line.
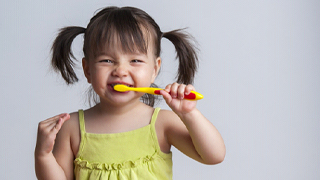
123 136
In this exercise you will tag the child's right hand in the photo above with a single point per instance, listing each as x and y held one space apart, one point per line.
47 132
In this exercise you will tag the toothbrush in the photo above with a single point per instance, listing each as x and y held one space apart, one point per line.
156 91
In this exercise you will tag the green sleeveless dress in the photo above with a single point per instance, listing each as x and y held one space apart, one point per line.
129 155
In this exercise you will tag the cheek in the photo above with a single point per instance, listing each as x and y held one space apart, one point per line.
98 76
144 76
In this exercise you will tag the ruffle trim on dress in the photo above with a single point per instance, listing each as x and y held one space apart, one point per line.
114 166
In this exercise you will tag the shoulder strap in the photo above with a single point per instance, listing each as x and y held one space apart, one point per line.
153 129
81 121
154 116
82 132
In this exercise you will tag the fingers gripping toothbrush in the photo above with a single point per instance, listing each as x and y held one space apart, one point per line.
155 91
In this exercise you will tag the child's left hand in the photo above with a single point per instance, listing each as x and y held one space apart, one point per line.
174 93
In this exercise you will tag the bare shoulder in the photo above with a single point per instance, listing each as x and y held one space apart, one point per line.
167 114
168 118
71 125
173 128
166 122
75 137
71 130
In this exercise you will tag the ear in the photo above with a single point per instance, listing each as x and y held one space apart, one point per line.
86 69
156 69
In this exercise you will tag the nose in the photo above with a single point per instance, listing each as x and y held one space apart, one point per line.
120 70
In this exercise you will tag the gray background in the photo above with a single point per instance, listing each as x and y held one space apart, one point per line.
259 73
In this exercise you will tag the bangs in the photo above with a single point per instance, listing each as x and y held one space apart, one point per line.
117 29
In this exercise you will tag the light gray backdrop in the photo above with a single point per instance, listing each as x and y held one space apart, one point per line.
259 73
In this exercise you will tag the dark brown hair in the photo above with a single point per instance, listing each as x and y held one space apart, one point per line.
131 27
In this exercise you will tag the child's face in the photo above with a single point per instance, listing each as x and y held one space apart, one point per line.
115 67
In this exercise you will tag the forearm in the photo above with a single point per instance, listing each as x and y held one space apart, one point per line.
205 137
47 168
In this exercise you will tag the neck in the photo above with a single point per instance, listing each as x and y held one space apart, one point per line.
105 108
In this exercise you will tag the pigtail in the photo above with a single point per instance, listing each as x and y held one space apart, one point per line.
186 53
62 54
